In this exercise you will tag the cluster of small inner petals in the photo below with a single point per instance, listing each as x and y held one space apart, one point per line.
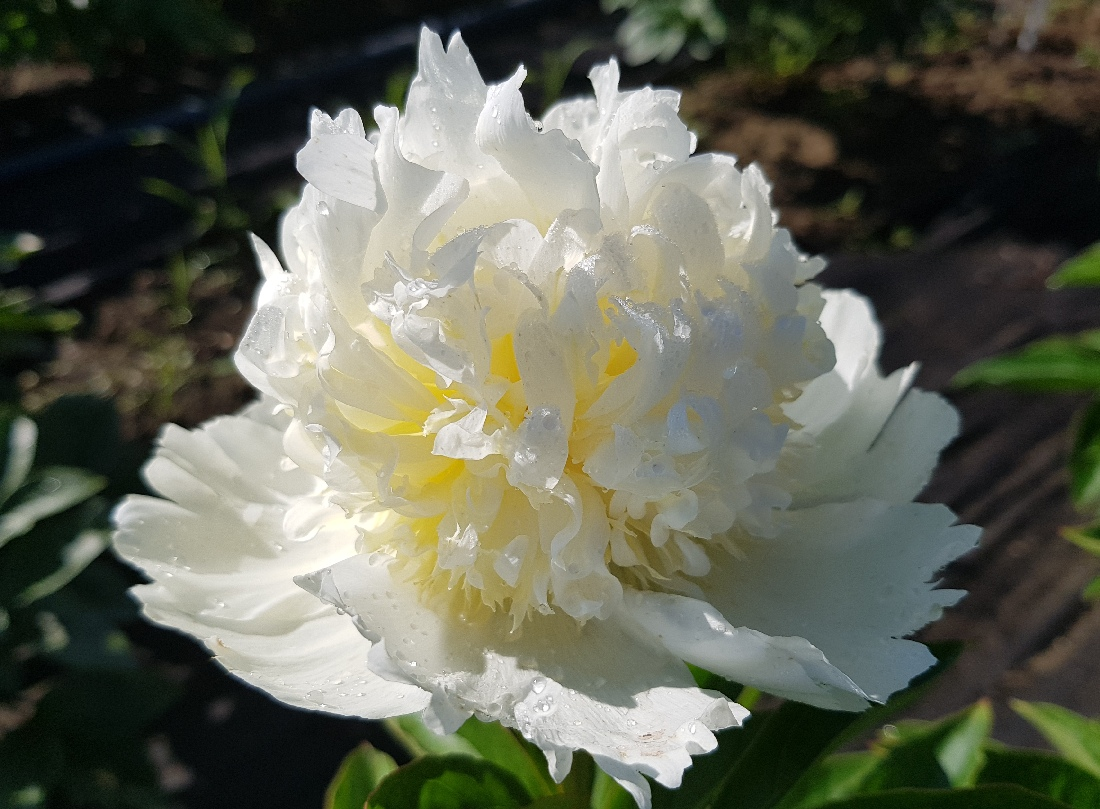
573 400
550 408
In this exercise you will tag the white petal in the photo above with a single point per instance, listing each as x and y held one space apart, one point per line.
223 558
552 171
786 667
863 435
563 685
852 579
340 163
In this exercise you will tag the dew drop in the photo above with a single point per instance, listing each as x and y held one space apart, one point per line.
323 209
538 685
315 695
631 722
692 728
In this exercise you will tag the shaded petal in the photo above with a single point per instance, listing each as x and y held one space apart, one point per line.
786 667
850 578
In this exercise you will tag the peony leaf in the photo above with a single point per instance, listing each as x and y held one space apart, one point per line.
984 797
1072 735
1084 461
418 740
1065 363
501 746
19 453
359 775
449 782
49 492
1084 538
765 762
1092 592
948 753
1044 773
37 557
1083 270
75 556
836 777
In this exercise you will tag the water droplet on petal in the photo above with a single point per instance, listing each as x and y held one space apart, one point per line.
538 684
323 209
692 728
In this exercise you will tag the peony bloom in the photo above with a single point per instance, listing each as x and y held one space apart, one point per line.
548 409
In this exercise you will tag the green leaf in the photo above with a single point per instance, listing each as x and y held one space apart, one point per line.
607 794
984 797
501 746
48 492
1084 538
1044 773
947 753
359 775
19 455
755 766
1084 461
1083 270
449 782
37 555
1072 735
1092 592
414 736
838 776
75 556
1066 363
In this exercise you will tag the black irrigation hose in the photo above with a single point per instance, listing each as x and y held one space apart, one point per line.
84 197
371 52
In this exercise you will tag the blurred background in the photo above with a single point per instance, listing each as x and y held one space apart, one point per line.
944 154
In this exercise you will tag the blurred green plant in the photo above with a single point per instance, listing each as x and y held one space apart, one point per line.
782 758
1062 364
73 701
98 32
783 36
218 218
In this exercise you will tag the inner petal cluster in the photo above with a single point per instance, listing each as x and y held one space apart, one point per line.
544 408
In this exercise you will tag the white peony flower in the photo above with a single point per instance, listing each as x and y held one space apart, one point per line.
549 409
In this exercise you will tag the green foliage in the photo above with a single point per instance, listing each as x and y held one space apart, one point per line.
450 782
1047 774
783 758
1063 364
1066 364
358 776
1076 738
782 36
1080 271
99 32
67 676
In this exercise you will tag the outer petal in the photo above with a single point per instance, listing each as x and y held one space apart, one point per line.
863 435
850 578
223 556
564 685
787 667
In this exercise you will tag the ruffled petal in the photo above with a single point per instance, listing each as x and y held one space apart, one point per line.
854 579
236 529
565 686
862 435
